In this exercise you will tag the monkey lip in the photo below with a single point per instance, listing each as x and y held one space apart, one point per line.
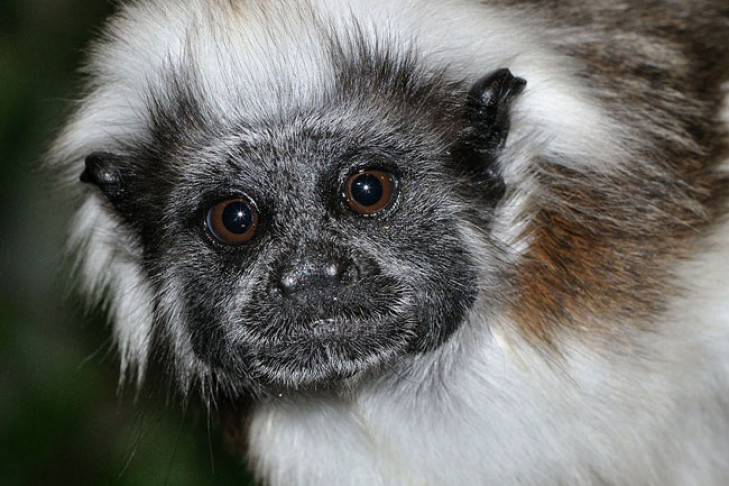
325 325
333 327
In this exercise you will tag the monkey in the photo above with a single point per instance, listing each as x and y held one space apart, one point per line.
429 242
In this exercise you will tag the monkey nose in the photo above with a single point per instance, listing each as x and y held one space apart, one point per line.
317 276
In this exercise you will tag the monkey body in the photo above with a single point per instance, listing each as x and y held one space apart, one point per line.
433 242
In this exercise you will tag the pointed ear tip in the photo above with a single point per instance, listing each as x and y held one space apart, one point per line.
519 84
516 82
501 79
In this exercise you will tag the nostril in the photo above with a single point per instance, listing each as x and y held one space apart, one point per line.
342 271
288 282
333 269
295 278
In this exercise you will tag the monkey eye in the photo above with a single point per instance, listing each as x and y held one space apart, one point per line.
369 191
233 221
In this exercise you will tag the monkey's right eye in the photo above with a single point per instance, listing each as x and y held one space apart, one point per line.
233 221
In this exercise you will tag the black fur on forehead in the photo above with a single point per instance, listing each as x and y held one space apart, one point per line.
370 70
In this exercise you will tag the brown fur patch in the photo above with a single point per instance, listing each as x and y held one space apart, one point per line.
603 250
604 247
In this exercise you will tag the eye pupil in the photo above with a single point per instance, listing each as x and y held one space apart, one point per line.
367 190
237 217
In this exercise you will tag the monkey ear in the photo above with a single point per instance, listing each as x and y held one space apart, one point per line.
104 170
487 124
487 109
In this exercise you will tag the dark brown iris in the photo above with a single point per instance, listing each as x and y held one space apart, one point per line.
233 221
370 191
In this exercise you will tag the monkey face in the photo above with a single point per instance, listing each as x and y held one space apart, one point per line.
330 291
311 263
303 260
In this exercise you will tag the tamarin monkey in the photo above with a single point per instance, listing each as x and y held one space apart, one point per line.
430 242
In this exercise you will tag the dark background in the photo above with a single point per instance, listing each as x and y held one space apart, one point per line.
62 420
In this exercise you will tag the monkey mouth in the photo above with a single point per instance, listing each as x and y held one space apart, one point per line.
352 313
322 351
332 328
316 330
317 342
323 328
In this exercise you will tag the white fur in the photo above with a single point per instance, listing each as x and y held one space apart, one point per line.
105 262
253 64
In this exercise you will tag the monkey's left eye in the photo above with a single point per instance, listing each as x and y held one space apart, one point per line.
370 191
233 221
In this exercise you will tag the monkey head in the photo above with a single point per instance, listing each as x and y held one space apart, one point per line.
319 244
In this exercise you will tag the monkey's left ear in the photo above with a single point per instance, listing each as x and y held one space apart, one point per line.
487 119
488 106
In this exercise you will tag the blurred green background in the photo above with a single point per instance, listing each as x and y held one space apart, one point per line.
61 418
